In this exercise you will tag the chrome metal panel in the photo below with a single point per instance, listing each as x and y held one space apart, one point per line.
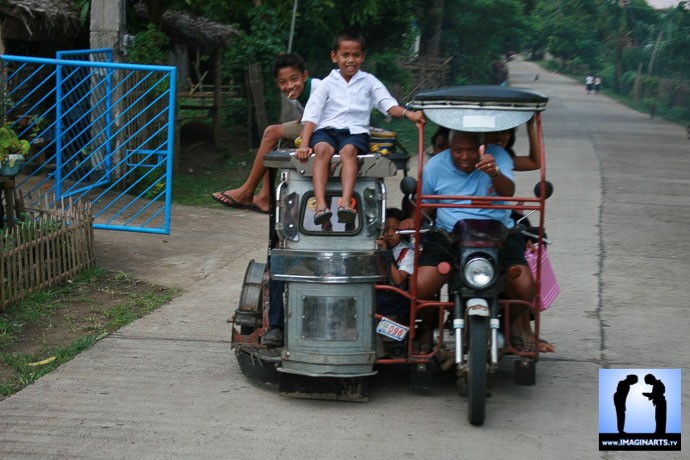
330 267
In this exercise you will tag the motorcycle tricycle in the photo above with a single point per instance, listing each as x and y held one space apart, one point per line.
324 278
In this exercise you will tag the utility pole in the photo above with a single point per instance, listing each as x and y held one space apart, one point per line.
622 39
292 26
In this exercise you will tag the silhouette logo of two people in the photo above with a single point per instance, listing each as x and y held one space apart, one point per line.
656 396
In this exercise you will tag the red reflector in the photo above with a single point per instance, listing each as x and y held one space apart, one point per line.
443 268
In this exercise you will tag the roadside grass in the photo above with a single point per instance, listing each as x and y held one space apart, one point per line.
49 328
194 189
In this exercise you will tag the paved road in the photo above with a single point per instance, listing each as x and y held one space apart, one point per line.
168 386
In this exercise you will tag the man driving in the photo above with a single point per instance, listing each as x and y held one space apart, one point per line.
468 168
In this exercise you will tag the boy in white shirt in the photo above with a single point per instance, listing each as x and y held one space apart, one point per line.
336 118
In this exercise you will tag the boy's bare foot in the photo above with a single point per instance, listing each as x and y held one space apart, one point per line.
546 347
260 204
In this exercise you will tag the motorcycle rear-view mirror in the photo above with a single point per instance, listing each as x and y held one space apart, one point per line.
548 186
408 185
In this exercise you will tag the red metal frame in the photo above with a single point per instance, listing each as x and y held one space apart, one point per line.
516 203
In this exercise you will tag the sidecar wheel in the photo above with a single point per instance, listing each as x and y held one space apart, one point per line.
248 314
476 382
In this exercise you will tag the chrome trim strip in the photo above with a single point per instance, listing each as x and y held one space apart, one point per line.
330 267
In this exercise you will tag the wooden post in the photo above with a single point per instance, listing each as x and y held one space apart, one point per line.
256 85
217 58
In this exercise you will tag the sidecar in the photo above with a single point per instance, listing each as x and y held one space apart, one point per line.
324 279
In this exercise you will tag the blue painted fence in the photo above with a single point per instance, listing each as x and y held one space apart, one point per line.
99 131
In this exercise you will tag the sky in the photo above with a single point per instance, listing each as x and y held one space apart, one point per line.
663 3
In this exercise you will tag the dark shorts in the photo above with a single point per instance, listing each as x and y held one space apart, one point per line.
339 138
437 250
389 303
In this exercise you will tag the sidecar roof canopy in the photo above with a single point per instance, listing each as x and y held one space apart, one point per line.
479 108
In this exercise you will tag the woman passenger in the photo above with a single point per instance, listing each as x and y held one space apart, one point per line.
506 139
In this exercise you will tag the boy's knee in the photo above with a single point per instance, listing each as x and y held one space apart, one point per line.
274 132
349 151
520 282
323 149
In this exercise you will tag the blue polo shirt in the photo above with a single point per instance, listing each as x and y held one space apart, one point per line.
442 177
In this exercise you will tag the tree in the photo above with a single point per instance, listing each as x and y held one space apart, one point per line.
478 32
429 16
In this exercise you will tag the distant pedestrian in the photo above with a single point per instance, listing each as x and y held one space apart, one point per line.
589 83
597 84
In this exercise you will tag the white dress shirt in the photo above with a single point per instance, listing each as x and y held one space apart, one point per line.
339 104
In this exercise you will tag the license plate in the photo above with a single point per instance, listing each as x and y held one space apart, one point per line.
392 329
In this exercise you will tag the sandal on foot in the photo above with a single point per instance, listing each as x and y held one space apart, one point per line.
346 215
322 216
227 200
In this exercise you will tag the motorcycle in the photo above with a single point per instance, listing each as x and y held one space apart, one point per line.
325 278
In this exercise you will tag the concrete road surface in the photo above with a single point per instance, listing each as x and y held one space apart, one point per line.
168 386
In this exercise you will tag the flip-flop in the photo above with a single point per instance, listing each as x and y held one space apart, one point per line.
346 215
226 200
322 216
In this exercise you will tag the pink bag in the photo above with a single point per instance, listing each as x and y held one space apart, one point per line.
549 285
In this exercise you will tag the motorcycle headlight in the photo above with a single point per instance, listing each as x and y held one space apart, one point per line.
479 273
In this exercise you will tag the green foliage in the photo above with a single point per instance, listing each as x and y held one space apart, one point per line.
234 112
479 32
150 47
10 144
621 43
265 33
84 8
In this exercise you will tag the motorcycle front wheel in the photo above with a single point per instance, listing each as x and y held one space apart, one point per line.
476 391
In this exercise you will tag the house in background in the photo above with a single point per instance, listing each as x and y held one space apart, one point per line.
40 28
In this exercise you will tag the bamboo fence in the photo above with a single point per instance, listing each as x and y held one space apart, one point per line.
48 249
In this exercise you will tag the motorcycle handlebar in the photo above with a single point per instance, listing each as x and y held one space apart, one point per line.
530 232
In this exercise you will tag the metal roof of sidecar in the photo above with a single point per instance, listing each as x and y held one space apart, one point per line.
479 108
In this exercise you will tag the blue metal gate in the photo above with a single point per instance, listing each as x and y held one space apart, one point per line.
100 131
